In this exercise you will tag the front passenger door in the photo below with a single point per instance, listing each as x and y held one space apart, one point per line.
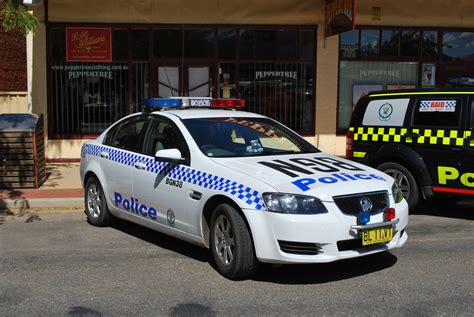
155 183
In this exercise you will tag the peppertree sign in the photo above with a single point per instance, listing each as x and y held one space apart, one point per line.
339 16
88 44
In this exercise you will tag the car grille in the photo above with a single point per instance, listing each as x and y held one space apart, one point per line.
350 204
303 248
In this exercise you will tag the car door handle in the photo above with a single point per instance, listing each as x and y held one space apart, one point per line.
104 154
411 136
140 165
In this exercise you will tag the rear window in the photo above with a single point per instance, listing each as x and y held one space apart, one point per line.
386 112
440 112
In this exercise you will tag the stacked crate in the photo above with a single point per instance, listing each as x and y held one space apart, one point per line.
22 159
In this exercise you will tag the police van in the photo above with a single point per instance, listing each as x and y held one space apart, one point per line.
239 183
424 139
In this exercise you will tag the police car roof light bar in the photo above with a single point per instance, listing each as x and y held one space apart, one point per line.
228 103
162 102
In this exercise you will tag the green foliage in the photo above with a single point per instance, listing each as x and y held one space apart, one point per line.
15 16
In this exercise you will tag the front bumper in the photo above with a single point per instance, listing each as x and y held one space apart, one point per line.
330 235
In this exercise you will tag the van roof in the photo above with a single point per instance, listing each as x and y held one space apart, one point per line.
436 91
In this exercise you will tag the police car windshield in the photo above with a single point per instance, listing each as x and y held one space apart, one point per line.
240 137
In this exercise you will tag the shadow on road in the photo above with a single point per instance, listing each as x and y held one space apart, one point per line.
449 208
325 272
162 240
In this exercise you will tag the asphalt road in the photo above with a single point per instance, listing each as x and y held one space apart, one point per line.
57 264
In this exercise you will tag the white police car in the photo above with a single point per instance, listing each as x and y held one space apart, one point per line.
240 184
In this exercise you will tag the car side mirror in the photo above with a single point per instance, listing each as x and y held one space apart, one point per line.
169 155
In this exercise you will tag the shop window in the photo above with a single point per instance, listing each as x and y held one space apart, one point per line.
120 45
430 44
227 87
390 43
227 43
441 118
288 44
349 44
88 97
140 44
247 44
369 43
282 91
306 45
358 78
265 44
141 85
199 43
168 43
57 38
410 42
458 46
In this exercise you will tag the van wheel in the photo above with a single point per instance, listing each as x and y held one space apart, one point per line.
405 180
231 244
96 207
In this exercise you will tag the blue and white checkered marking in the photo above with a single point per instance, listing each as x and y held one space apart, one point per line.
427 106
184 173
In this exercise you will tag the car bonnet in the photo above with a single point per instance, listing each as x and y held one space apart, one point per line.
316 174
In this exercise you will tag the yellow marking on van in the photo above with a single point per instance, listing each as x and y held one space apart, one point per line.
424 93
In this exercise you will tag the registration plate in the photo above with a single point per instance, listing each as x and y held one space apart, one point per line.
376 235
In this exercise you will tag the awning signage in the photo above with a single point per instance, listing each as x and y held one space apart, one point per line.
339 16
88 44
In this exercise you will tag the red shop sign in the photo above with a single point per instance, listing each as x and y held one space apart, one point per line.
88 44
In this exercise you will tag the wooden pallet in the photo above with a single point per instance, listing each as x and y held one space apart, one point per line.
22 158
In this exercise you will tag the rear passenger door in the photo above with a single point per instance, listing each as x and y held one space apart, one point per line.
467 168
438 122
122 146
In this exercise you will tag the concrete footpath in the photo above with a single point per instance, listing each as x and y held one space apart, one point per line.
61 190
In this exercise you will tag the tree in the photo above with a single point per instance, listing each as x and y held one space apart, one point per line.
14 15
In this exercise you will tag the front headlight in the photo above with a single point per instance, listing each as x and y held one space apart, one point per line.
397 192
293 204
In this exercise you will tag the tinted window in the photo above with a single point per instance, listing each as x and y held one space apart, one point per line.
430 44
58 44
199 43
120 45
227 43
163 135
288 44
390 43
349 44
306 48
128 134
458 46
168 43
472 115
410 42
265 44
437 112
140 44
369 43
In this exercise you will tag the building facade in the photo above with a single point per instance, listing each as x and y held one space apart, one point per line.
272 53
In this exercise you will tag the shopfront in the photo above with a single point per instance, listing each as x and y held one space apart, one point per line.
275 54
272 68
384 58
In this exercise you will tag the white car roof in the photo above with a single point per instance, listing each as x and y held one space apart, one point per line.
210 113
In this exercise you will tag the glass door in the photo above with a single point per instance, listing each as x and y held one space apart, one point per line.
188 80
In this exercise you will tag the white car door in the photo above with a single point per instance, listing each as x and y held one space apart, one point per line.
153 181
118 157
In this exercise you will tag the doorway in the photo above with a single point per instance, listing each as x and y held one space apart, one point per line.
187 80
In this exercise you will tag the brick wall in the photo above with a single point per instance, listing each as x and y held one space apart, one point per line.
12 61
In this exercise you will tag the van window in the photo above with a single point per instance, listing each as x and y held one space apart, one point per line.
472 115
386 112
439 112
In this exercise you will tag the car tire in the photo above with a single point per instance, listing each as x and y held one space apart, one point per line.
231 244
405 180
96 207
